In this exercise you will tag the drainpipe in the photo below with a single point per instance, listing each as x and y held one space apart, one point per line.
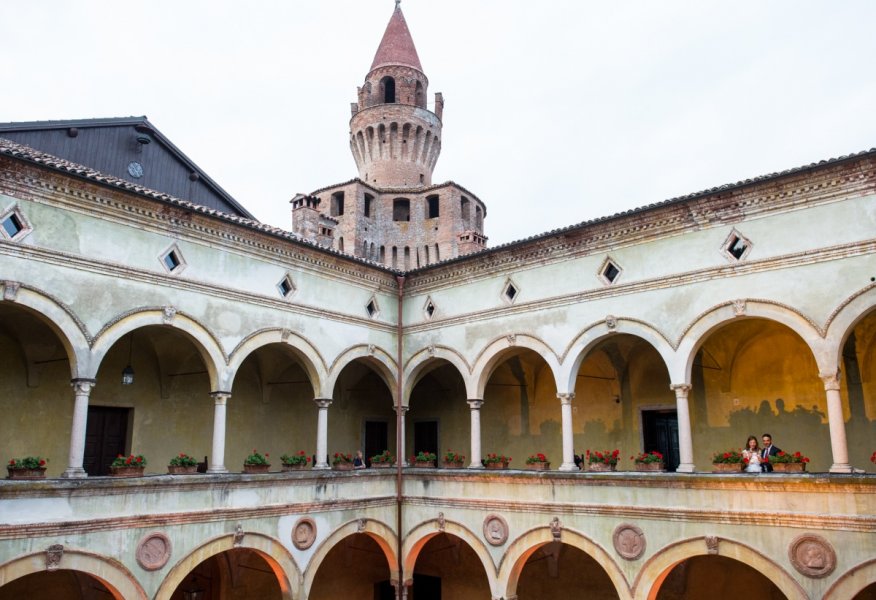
400 591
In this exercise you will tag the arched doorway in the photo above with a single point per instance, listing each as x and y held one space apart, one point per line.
558 570
236 573
356 567
717 578
447 567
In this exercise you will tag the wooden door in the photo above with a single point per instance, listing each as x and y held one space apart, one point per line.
105 436
376 439
426 436
660 428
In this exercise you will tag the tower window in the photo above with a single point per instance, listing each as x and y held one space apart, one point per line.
465 211
401 209
368 200
387 84
432 207
337 208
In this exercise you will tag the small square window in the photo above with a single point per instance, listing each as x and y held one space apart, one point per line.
610 271
13 224
510 292
172 260
372 308
736 247
286 286
429 309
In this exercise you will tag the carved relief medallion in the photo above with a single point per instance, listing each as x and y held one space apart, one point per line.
304 533
712 542
54 553
812 555
495 530
629 541
153 551
556 529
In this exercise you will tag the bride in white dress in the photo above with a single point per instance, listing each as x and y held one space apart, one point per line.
752 453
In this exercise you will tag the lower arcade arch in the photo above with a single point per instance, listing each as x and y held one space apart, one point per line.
687 568
78 576
538 565
257 562
859 583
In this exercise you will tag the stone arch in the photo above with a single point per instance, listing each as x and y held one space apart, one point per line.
378 358
655 570
703 326
61 320
111 573
378 531
306 352
271 550
522 548
205 342
425 360
497 350
588 339
841 324
425 531
853 581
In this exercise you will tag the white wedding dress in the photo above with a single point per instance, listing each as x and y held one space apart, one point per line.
753 464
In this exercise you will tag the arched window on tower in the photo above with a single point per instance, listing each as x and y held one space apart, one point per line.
421 98
479 219
432 207
387 86
465 212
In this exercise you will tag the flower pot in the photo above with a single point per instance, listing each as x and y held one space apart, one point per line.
727 467
342 466
789 467
658 467
539 466
496 465
298 467
38 473
381 465
182 470
601 467
453 465
127 471
424 464
256 468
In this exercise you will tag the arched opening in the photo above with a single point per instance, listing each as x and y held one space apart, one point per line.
624 401
447 567
558 570
369 201
35 371
465 212
63 584
420 95
387 86
715 577
868 593
521 414
432 207
479 218
438 419
753 376
356 567
271 406
241 572
401 209
362 415
337 204
858 389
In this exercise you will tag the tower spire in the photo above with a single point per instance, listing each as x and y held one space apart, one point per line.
397 46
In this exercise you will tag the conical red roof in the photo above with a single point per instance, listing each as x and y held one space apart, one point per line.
397 45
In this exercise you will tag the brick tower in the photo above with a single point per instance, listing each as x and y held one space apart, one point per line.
392 213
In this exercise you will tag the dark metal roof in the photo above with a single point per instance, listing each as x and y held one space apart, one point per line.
110 145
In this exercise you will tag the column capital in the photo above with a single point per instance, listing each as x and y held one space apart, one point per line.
220 397
566 397
475 404
402 408
82 386
323 402
683 388
831 381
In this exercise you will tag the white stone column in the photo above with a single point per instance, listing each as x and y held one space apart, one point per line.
81 391
568 433
400 451
476 454
685 438
220 407
322 433
838 444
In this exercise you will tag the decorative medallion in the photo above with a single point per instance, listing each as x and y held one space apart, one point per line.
304 533
135 170
153 551
495 530
629 541
812 555
712 544
53 556
556 528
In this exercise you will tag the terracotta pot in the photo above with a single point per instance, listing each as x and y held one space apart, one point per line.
424 464
539 466
496 465
298 467
38 473
182 470
453 465
383 465
653 467
342 466
727 467
789 467
126 471
601 468
256 468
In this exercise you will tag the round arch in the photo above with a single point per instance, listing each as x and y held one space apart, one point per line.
497 350
272 551
704 325
376 357
425 531
311 359
111 573
61 320
588 339
378 531
841 324
425 360
853 581
205 342
522 548
655 570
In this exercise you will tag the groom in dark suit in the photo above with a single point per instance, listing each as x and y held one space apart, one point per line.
766 452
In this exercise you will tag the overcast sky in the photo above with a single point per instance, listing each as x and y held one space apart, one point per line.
556 111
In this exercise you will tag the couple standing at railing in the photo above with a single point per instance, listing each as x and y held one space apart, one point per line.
757 458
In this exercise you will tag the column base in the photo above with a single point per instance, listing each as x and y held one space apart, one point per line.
569 467
841 468
74 473
404 463
321 467
476 465
217 470
686 468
